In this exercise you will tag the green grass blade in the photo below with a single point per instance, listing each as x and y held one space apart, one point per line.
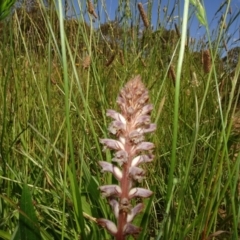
28 222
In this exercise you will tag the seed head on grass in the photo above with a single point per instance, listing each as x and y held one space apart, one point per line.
172 75
194 80
207 61
110 61
121 57
143 15
131 150
91 9
86 62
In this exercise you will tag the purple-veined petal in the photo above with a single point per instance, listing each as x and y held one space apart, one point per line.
115 206
141 159
120 157
144 98
143 120
109 167
130 110
128 96
130 229
137 173
136 136
151 128
117 116
110 190
106 167
120 101
109 225
139 192
116 126
137 209
112 144
145 146
147 109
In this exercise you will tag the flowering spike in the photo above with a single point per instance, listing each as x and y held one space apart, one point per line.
130 150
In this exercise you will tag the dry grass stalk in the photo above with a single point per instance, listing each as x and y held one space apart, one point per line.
143 63
172 74
121 57
163 40
143 15
86 62
161 64
225 46
177 30
132 33
235 147
110 61
91 9
224 25
53 81
207 64
160 107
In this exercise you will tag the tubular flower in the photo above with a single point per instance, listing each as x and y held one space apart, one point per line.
131 150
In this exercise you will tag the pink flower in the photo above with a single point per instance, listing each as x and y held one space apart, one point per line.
129 126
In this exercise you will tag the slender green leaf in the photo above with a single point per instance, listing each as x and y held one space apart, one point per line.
28 223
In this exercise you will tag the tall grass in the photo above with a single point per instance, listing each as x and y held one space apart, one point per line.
53 108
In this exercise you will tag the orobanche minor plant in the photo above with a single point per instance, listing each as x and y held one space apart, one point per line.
131 150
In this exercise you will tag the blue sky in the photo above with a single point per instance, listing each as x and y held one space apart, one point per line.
110 10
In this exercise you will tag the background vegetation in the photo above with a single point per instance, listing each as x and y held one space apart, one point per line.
58 78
